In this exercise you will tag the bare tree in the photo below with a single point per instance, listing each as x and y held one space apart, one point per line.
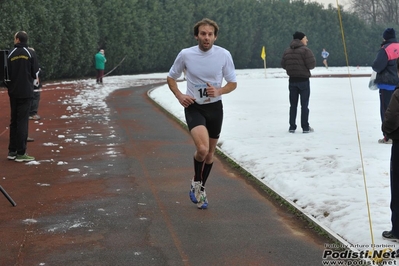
376 11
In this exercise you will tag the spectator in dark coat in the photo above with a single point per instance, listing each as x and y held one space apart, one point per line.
23 69
390 127
297 61
387 72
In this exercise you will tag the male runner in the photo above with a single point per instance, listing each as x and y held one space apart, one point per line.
206 65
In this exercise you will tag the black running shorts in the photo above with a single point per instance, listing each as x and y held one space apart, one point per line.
209 115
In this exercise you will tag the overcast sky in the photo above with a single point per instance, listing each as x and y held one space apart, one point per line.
333 2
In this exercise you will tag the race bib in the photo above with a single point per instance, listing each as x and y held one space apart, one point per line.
200 94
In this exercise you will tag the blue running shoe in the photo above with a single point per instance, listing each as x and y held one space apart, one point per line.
195 191
203 201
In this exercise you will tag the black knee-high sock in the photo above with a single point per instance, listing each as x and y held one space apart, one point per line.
205 172
198 170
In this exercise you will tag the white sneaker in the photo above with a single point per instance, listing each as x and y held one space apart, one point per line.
385 141
34 117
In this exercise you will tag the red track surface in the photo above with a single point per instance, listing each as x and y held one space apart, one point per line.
113 190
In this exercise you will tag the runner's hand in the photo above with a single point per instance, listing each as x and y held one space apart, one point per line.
212 91
186 100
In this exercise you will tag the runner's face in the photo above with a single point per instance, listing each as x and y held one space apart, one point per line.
206 37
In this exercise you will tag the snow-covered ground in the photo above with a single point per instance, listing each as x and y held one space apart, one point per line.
331 175
326 174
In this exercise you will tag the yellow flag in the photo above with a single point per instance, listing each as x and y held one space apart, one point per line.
263 54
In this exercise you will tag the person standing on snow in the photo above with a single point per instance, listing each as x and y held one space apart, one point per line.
387 72
100 65
390 127
325 55
206 66
297 61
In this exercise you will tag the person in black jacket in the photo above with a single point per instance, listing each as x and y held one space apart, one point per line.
37 83
297 61
390 128
23 69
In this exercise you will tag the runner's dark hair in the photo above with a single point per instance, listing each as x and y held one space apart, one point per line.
206 21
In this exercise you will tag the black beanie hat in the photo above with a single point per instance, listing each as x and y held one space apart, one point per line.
389 33
298 35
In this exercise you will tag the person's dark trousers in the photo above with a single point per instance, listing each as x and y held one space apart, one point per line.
385 98
35 103
299 90
100 74
19 124
394 173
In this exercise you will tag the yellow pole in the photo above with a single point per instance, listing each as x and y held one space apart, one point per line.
264 63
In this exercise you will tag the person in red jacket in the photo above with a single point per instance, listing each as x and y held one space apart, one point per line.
23 69
385 66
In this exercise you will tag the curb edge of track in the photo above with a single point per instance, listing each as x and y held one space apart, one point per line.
274 195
